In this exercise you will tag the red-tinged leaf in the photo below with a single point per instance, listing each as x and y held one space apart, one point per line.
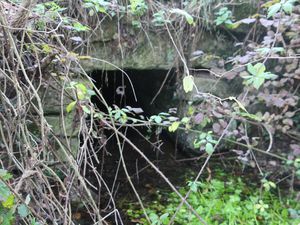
288 122
266 23
216 128
248 20
296 149
198 118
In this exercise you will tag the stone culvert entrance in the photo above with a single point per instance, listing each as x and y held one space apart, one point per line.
151 90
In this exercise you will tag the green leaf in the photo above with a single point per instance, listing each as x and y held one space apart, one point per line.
23 210
33 222
71 106
272 184
157 119
81 91
224 15
265 50
86 109
5 175
260 68
209 148
79 27
269 75
153 217
188 83
274 9
197 144
4 191
8 218
117 115
258 75
287 7
164 218
9 203
202 136
258 81
164 114
218 21
193 186
232 25
189 19
174 126
251 69
185 120
91 12
98 115
187 16
91 92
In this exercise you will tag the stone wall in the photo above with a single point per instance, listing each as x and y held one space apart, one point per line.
136 48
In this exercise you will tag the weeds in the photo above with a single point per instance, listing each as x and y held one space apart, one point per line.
223 200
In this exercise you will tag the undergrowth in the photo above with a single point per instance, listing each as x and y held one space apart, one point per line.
45 170
223 200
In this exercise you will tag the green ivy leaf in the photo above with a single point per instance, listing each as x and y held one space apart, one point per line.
188 83
70 107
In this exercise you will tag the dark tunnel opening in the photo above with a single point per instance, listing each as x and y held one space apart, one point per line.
146 89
